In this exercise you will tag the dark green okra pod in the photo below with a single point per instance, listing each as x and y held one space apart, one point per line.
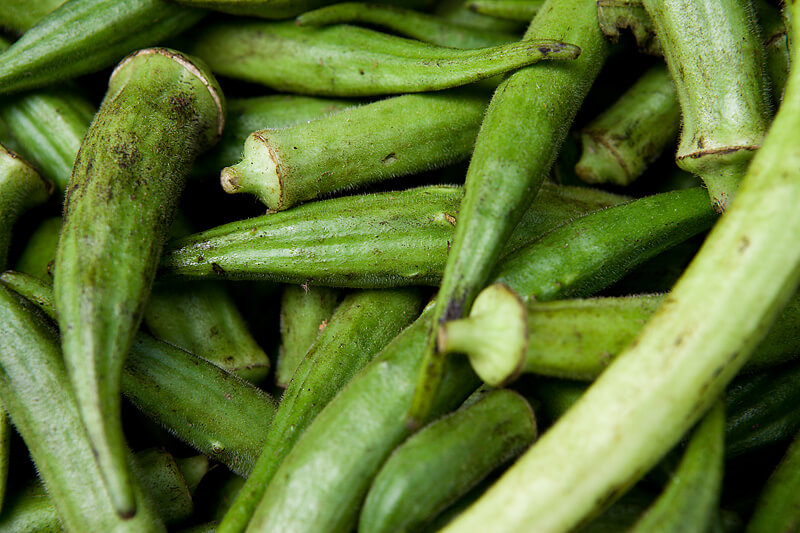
778 507
392 137
444 460
520 10
518 142
362 325
350 61
456 12
277 9
83 36
21 15
36 391
722 91
305 312
776 44
620 144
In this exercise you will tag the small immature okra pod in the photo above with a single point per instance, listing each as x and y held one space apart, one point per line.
83 36
620 144
277 9
378 141
123 193
778 507
722 91
344 60
440 463
305 312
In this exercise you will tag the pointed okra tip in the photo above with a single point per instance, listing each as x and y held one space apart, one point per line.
257 173
494 337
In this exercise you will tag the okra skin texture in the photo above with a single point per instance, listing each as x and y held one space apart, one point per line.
440 463
323 242
722 91
620 143
305 312
516 146
644 402
275 9
363 324
123 192
350 61
83 36
375 142
34 389
776 44
21 15
778 507
519 10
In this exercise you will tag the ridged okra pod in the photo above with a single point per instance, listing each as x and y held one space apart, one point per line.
444 460
456 11
122 196
723 91
344 60
778 507
83 36
406 22
704 332
21 15
210 409
322 243
620 144
378 141
276 9
520 10
518 142
35 390
362 325
305 312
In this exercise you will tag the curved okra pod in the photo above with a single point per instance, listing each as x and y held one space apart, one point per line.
444 460
21 15
620 144
640 407
520 10
406 22
123 192
35 390
723 91
305 312
344 60
778 507
83 36
378 141
277 9
322 243
518 142
362 325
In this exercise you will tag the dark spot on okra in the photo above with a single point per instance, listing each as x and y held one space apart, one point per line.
389 158
218 269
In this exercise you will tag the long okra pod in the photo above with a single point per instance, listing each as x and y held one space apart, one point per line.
776 45
520 10
21 15
350 61
518 142
124 188
643 404
83 36
722 91
456 11
277 9
778 507
392 137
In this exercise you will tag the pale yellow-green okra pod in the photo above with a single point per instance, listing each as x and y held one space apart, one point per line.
640 407
160 111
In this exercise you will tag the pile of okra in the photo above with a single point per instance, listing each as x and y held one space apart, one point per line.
416 265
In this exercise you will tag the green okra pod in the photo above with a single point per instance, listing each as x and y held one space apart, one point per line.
689 501
643 403
722 91
122 196
778 507
322 243
21 15
520 10
776 45
277 9
406 22
305 312
350 61
35 390
456 12
620 143
518 143
616 15
392 137
444 460
83 36
360 327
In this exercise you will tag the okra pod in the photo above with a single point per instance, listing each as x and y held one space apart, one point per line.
392 137
122 196
305 312
350 61
362 325
778 507
456 11
277 9
322 243
83 36
36 392
620 144
520 10
643 403
21 15
444 460
518 142
616 15
776 45
723 92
